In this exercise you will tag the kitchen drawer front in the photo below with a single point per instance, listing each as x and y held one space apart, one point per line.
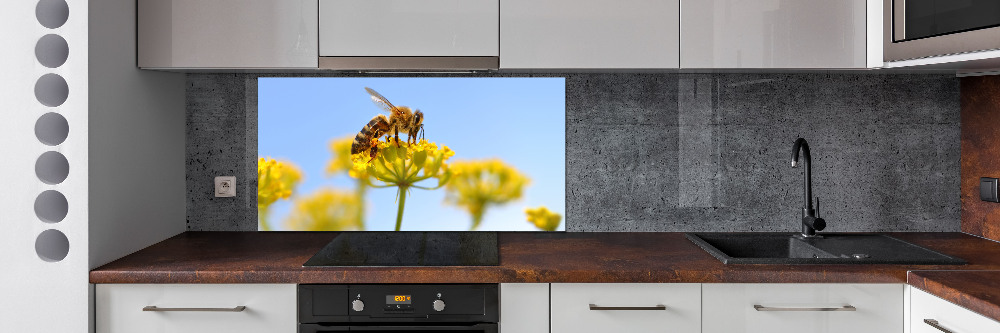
729 308
409 28
524 308
269 308
948 315
571 310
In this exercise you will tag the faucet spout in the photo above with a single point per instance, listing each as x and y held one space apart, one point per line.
810 222
803 146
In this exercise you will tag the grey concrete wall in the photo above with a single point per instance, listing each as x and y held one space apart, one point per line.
684 152
221 141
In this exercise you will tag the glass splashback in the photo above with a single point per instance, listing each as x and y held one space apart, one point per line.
483 154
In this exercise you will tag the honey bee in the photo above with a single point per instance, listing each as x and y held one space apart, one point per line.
401 119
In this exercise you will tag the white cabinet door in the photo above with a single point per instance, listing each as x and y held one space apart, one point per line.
780 308
227 34
626 307
773 34
409 28
269 308
524 308
589 34
951 317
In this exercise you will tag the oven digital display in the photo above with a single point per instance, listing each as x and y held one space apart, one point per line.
397 299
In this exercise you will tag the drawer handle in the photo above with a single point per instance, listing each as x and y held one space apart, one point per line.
629 308
935 324
233 309
759 307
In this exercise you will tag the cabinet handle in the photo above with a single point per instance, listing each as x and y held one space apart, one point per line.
759 307
630 308
233 309
935 324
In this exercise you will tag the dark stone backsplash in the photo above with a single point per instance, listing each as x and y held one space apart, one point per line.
682 152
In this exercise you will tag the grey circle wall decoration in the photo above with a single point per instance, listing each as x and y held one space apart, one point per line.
51 90
52 13
51 206
51 129
52 245
52 167
51 50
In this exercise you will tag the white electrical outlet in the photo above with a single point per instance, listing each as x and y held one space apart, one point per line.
225 186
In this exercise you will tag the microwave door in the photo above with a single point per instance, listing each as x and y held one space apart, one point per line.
916 19
914 29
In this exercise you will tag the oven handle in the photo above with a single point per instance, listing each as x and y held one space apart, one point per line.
414 327
485 328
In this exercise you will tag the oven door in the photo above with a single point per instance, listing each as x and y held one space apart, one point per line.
472 328
927 28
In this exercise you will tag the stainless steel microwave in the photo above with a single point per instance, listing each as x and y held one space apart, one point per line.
927 28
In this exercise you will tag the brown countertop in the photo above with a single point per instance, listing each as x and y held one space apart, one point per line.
978 291
277 257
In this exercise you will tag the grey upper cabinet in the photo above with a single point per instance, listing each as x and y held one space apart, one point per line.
779 34
220 34
404 28
509 34
575 34
409 34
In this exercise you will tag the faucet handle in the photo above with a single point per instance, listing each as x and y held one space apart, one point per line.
818 223
817 206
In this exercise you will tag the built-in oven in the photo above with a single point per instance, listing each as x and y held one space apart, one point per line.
465 308
927 28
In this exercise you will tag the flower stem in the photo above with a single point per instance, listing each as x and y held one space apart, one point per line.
477 217
262 218
399 213
361 190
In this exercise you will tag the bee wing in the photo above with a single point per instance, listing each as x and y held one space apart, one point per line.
381 101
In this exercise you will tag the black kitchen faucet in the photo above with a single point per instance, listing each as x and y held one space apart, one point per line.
810 222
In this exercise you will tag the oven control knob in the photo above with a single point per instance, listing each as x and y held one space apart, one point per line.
438 305
358 305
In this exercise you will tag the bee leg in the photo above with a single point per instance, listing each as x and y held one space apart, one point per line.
373 153
397 137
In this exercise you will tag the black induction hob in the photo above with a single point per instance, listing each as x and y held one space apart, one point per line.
409 248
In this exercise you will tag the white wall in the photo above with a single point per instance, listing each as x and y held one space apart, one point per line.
37 295
137 186
125 150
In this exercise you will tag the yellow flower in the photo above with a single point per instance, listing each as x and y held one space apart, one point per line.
326 210
478 184
275 180
404 166
407 164
342 161
543 218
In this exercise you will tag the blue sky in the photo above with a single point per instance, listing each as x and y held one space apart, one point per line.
519 120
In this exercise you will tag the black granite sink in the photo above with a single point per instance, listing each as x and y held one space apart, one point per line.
786 248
